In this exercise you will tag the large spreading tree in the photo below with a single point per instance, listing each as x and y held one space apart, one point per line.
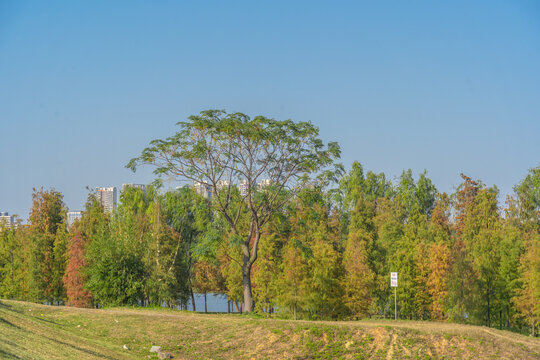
226 151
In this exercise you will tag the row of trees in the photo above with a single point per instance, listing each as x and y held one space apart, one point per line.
313 242
327 254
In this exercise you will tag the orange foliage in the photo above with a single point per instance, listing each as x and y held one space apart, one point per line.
78 296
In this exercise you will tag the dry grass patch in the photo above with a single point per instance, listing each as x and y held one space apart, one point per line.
31 331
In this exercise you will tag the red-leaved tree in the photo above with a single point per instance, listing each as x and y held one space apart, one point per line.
78 296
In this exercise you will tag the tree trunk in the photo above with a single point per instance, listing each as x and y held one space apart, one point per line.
488 310
205 306
246 277
228 306
193 301
250 249
236 306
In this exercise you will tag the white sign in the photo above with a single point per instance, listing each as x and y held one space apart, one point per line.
393 279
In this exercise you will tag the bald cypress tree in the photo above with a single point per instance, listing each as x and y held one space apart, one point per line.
74 279
48 238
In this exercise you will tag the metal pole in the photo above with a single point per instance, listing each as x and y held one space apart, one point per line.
395 303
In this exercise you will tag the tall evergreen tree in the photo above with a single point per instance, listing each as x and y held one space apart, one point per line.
47 246
292 284
462 292
14 262
528 295
439 257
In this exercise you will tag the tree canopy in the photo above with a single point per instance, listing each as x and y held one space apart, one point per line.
266 157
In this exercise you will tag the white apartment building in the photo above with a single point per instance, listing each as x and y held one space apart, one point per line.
6 219
262 184
243 188
72 216
202 189
107 198
222 184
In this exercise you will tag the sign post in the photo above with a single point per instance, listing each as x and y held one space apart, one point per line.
393 283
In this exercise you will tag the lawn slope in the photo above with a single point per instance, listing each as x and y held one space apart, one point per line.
31 331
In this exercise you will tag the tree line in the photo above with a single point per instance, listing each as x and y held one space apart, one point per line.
326 252
326 255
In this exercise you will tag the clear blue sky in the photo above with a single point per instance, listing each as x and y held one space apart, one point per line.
447 86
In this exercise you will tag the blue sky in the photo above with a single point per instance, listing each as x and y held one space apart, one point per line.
444 86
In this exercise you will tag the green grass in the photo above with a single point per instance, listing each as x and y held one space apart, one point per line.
32 331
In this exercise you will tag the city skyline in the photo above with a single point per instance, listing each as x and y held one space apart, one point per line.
110 202
76 212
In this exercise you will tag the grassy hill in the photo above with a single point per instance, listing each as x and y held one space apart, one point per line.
31 331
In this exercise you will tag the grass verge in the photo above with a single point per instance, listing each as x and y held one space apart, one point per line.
32 331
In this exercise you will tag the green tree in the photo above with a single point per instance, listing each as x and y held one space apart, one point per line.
364 256
439 257
482 239
314 231
527 298
438 262
292 283
13 262
220 150
407 254
528 194
206 279
462 294
191 218
163 244
324 291
359 278
265 273
360 200
115 256
229 257
511 248
48 238
389 225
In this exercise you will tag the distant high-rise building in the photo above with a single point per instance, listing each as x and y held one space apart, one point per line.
72 216
243 188
203 189
137 186
6 219
107 198
221 184
262 184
